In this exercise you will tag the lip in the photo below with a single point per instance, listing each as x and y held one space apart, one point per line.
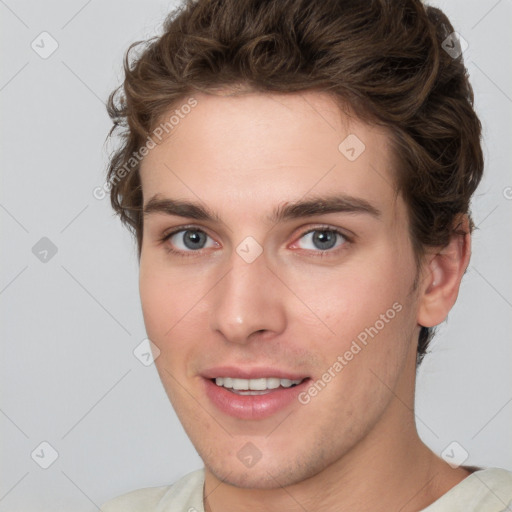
252 407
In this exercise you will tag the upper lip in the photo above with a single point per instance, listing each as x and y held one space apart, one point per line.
250 373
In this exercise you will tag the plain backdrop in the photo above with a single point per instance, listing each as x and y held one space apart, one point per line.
70 310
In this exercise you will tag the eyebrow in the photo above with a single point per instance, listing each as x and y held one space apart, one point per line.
287 211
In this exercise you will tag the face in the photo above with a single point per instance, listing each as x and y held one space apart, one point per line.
275 249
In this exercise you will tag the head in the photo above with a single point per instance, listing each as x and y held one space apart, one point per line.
322 155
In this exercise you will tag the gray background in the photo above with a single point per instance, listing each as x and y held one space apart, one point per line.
70 324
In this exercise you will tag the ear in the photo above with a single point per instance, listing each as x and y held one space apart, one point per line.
443 271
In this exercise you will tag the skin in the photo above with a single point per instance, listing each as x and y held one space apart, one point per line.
354 446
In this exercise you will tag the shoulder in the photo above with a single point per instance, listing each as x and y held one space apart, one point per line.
496 485
485 490
186 492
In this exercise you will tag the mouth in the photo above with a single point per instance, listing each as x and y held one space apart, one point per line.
253 395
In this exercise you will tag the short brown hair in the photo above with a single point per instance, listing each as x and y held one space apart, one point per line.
385 58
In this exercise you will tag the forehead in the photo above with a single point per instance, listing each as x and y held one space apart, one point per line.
254 149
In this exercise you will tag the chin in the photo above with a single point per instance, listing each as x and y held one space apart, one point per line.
252 478
264 475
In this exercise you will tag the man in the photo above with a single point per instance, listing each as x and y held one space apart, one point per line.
298 175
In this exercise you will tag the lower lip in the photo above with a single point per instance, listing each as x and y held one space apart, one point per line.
253 407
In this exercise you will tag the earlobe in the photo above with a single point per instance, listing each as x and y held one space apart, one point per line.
442 276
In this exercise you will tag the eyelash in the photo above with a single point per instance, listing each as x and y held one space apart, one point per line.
320 254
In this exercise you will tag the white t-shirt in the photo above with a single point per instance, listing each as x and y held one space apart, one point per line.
485 490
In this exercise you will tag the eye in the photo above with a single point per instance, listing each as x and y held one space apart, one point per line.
187 240
321 239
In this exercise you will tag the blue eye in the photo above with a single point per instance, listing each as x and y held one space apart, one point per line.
190 240
323 239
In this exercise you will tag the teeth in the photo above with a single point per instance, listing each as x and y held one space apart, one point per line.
255 384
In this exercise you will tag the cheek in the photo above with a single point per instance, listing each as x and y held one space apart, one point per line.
358 302
174 314
155 301
167 295
349 298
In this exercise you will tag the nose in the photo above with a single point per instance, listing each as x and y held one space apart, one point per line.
249 299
